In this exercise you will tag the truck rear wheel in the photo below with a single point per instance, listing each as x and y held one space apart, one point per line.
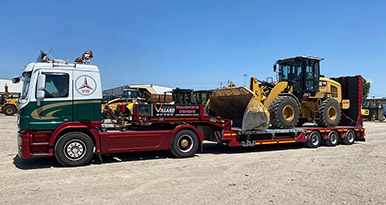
349 137
74 149
284 112
314 139
332 138
184 144
329 112
9 110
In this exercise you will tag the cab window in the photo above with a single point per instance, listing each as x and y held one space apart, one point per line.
57 85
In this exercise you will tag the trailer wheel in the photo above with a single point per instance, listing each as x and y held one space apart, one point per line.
9 110
349 137
74 149
332 138
284 112
314 139
329 112
184 144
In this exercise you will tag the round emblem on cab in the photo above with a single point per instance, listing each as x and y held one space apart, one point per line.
85 85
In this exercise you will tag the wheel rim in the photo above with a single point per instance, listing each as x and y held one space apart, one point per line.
288 113
185 143
332 113
315 139
75 149
9 110
334 138
350 136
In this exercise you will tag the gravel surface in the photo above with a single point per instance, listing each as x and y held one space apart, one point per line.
274 174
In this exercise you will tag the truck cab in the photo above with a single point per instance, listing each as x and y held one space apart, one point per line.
56 92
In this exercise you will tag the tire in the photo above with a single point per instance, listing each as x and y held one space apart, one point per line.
284 112
329 113
74 149
314 139
185 143
332 138
9 110
349 137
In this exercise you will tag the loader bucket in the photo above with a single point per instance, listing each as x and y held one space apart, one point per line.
240 105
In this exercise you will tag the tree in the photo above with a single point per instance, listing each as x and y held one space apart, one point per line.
366 90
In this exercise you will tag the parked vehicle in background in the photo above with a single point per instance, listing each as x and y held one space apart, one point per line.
8 105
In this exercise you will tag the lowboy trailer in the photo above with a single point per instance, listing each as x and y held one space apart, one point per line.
72 143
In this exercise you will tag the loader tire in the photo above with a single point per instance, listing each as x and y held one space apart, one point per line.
329 112
284 112
9 110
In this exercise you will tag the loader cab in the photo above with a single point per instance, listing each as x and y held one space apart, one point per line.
141 95
191 97
302 73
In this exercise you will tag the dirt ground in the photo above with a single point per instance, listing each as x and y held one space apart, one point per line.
285 174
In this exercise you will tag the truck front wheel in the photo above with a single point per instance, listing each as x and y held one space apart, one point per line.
184 144
74 149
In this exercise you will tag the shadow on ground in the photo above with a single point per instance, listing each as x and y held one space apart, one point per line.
208 148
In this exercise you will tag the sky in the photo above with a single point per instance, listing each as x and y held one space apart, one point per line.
200 44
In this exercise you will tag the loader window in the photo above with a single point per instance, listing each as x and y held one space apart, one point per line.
130 94
285 70
312 77
290 73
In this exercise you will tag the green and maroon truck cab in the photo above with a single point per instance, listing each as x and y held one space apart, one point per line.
57 93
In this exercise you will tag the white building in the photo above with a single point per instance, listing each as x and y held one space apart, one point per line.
154 89
14 89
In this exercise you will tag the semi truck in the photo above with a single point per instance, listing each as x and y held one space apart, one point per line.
60 116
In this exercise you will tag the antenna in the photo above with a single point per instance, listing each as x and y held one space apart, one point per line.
245 78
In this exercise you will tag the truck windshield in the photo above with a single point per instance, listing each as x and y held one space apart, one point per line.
27 79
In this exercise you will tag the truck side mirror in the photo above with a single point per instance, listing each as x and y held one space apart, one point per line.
274 68
41 85
40 94
16 79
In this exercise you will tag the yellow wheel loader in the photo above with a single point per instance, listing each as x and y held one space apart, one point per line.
112 109
8 106
300 95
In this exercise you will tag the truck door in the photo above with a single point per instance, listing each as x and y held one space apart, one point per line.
87 96
56 106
